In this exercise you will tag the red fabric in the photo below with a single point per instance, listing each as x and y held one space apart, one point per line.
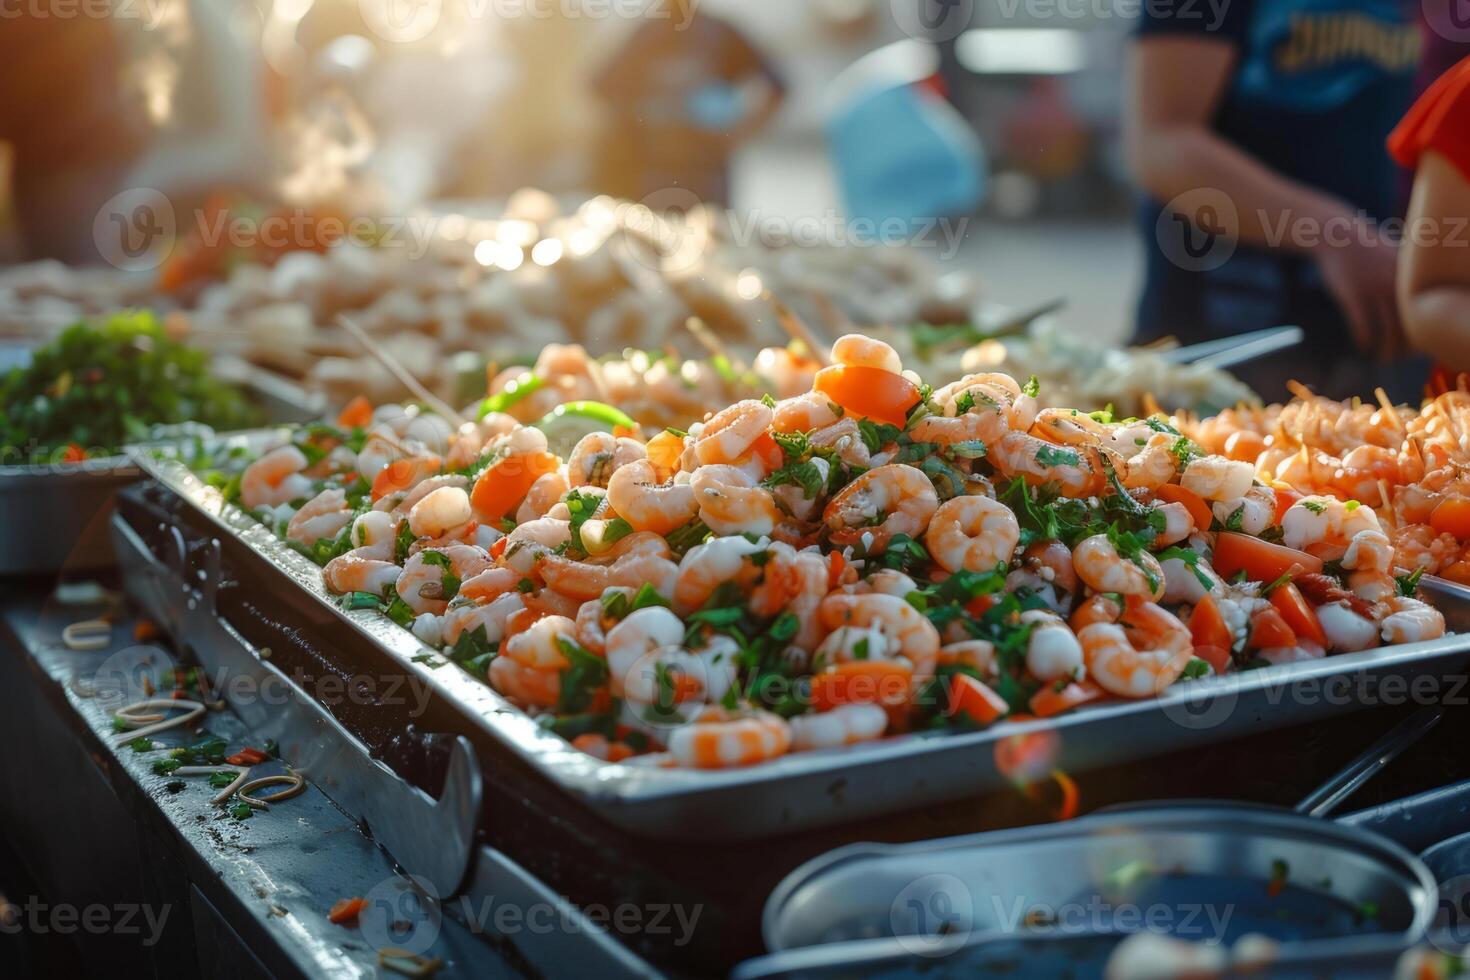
1439 121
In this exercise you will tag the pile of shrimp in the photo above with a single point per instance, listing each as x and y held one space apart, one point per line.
656 389
1412 466
865 558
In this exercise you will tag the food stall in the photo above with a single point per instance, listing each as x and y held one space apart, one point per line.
557 584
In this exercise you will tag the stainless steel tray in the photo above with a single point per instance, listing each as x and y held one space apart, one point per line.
906 772
54 517
1093 880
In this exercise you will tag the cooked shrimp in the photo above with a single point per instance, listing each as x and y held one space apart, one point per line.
1325 525
422 584
1104 570
889 582
912 637
598 455
404 501
731 503
1182 580
1346 631
673 675
719 738
729 434
648 504
593 622
1153 466
356 573
1369 560
804 413
1140 655
705 566
846 724
490 616
899 494
323 516
549 490
1052 650
582 580
979 654
1251 513
974 533
275 479
1069 427
439 512
1077 470
846 644
530 665
1407 620
374 535
846 439
1178 524
534 539
490 584
856 350
1217 478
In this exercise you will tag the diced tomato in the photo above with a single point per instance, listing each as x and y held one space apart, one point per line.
1173 493
521 620
869 392
498 548
1269 629
346 911
882 682
836 565
1261 560
1298 613
1049 701
1284 500
1452 516
1244 445
768 452
1208 627
404 473
975 700
248 757
664 451
73 453
145 630
1216 657
505 484
980 605
356 414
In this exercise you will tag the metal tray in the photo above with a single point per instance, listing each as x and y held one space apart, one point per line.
881 906
54 517
813 789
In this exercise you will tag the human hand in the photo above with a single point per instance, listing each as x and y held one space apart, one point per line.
1360 272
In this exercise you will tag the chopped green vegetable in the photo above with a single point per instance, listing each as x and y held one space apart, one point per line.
517 390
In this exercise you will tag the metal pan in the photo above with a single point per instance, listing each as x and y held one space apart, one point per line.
932 897
819 788
53 517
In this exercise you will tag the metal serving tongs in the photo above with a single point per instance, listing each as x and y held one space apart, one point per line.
1230 351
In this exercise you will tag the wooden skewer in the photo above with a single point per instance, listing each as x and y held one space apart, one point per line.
401 373
797 329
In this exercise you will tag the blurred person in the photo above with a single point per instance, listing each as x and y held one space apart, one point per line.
1434 263
1262 126
682 94
73 132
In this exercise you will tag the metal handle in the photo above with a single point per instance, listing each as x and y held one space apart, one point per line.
1345 782
1234 350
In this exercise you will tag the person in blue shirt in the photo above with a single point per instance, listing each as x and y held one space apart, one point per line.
1256 132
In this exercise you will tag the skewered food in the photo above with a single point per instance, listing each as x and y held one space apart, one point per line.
1411 466
866 557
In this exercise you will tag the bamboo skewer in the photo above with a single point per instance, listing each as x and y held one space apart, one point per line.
390 362
798 329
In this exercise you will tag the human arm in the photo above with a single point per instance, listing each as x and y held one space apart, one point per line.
1174 87
1434 263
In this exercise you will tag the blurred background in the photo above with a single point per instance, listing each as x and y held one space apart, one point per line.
384 106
